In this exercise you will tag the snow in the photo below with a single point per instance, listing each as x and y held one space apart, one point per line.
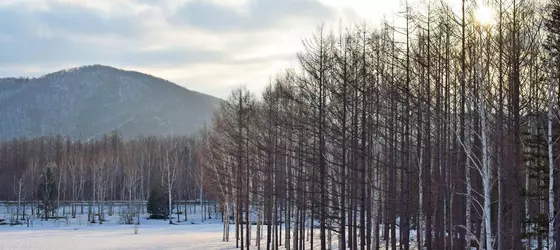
151 236
79 234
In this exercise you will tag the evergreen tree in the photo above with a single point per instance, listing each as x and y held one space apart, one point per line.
157 204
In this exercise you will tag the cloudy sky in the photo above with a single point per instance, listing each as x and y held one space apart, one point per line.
209 46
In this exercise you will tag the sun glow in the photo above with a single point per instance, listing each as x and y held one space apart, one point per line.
484 15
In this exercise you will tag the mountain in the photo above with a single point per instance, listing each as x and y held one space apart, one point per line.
90 101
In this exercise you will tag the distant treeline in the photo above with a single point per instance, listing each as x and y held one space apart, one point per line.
107 169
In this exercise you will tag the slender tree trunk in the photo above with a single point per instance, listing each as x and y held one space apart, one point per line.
486 173
550 239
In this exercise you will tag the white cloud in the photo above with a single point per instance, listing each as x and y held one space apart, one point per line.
366 9
248 44
44 31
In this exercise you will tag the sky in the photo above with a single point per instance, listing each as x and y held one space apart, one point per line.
210 46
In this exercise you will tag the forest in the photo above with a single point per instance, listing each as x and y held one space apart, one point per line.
96 175
437 130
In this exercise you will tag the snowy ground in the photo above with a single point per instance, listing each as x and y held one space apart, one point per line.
150 236
153 234
79 234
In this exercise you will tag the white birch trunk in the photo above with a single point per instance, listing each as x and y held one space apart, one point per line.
249 227
258 240
420 234
201 204
469 194
93 196
59 169
485 162
527 214
169 184
550 166
20 185
374 208
226 220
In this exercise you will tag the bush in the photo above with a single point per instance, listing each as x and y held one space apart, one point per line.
13 221
127 216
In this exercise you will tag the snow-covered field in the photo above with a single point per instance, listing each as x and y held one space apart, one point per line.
152 234
79 234
156 235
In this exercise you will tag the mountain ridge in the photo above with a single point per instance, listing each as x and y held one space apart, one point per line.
92 100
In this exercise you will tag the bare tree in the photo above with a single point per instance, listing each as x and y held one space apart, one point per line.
169 164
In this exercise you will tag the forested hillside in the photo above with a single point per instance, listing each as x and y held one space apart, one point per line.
91 101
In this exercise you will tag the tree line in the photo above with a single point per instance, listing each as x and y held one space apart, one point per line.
440 123
55 171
